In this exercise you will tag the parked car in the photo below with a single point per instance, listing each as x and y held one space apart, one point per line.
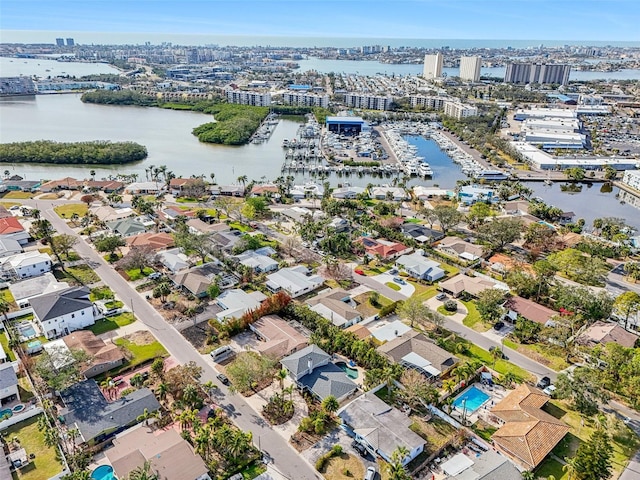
441 296
399 281
549 390
393 271
358 447
498 326
544 382
223 378
371 474
154 276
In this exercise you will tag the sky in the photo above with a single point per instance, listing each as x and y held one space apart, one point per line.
572 20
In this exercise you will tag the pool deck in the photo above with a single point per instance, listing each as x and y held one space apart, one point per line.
496 393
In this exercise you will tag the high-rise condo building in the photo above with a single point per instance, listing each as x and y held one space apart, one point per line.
537 73
470 69
243 97
70 42
367 102
432 66
60 42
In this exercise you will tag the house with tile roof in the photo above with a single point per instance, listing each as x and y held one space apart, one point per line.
312 370
157 241
381 427
459 284
527 434
11 228
278 337
103 356
384 248
64 311
336 305
458 248
107 213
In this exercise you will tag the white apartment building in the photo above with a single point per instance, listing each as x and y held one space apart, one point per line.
470 68
367 102
431 102
432 66
459 110
632 178
306 100
242 97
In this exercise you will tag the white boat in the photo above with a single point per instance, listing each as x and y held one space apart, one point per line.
424 170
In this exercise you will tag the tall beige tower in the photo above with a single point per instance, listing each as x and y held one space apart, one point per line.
470 69
432 66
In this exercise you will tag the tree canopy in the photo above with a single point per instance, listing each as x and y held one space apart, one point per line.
99 152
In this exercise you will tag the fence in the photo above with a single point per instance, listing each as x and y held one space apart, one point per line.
19 417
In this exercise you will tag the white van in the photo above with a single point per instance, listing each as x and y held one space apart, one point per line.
222 353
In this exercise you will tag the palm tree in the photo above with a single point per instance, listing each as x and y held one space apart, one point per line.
243 180
93 174
186 418
450 386
143 472
395 468
190 395
162 390
528 475
570 469
281 375
330 405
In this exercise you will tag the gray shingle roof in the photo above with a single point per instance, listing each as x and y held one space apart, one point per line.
55 304
8 377
87 408
328 380
297 362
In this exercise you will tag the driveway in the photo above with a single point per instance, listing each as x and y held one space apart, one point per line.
433 304
406 290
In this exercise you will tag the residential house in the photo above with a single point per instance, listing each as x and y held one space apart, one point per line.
106 186
381 428
25 265
420 267
501 263
141 188
172 212
235 303
383 248
470 194
258 263
107 213
8 384
527 433
308 190
226 240
339 225
396 194
12 229
336 305
415 350
64 311
360 331
516 207
389 331
566 218
295 281
196 280
157 241
302 214
196 225
461 283
311 369
9 247
423 193
420 233
347 193
102 356
165 451
96 419
24 290
265 190
460 249
601 333
489 465
21 185
5 213
177 186
126 227
67 183
278 338
232 190
530 310
173 260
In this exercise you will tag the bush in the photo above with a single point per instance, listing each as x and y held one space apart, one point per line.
389 309
335 451
374 299
450 306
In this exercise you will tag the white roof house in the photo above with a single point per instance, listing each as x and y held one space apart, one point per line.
236 302
347 192
420 267
259 263
174 259
397 193
389 331
27 264
144 187
294 280
32 287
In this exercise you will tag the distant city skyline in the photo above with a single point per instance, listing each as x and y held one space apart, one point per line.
96 22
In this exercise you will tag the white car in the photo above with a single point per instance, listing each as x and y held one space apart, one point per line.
549 390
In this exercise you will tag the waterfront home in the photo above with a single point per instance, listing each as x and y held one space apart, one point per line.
165 451
420 267
142 188
87 410
516 207
264 190
107 213
312 370
461 283
470 194
460 249
61 312
527 434
381 428
423 193
278 337
420 233
25 265
396 194
295 281
529 310
385 249
308 190
417 351
156 241
232 190
24 290
347 193
177 186
12 229
336 306
235 303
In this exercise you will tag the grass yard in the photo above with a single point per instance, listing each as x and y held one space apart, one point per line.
473 319
343 467
625 442
240 226
450 269
371 271
253 470
4 341
141 348
9 204
443 311
67 211
393 286
135 274
8 297
18 195
48 196
549 355
483 429
100 293
112 323
80 274
551 467
24 389
423 292
46 463
435 431
365 307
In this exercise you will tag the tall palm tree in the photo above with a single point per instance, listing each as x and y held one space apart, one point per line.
144 472
243 179
330 405
161 391
281 375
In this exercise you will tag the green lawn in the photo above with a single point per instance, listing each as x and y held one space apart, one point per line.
240 226
46 464
18 195
365 307
253 470
549 355
135 274
4 341
551 467
450 269
371 271
483 429
111 323
443 311
393 286
100 293
473 319
424 292
140 353
24 389
67 211
8 297
80 274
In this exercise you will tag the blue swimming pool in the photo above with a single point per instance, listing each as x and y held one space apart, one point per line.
27 330
471 400
103 472
5 411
